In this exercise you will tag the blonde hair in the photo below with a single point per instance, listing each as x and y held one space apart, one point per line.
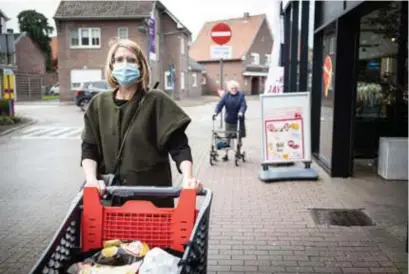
232 84
143 81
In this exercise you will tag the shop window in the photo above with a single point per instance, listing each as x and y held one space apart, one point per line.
379 95
327 96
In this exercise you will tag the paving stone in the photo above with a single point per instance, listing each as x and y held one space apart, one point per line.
255 227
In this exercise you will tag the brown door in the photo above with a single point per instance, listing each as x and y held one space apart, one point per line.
255 85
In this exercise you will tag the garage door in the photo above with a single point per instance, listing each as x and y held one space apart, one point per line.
79 76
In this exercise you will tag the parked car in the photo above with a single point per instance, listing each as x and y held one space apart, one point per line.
55 90
87 90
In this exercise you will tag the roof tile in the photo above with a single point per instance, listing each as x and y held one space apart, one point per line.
103 9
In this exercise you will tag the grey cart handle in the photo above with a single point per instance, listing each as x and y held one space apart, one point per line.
163 192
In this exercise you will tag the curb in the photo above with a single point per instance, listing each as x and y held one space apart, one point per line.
29 123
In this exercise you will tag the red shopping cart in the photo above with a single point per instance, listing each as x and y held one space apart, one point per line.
183 229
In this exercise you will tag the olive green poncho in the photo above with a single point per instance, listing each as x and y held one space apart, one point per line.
145 161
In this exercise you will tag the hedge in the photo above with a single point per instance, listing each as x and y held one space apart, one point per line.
4 107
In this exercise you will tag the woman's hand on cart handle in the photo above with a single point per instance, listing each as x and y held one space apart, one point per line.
240 114
214 116
99 184
190 183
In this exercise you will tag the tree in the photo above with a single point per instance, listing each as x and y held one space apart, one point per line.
37 27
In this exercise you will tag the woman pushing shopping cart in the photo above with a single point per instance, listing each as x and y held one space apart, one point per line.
235 105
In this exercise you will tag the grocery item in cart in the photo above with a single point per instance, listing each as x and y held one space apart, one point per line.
159 261
114 254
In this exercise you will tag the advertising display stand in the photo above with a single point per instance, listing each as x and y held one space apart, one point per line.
286 137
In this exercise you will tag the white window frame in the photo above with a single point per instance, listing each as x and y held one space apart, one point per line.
268 59
168 85
182 80
256 58
126 29
182 45
80 46
194 79
203 80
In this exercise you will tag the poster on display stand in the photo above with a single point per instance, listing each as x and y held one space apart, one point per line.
286 136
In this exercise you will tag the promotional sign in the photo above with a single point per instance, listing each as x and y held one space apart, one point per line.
286 127
275 81
152 37
327 74
221 34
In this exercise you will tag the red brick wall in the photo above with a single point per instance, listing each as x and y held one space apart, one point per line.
69 58
232 70
29 58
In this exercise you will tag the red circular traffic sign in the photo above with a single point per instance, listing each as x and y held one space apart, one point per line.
221 34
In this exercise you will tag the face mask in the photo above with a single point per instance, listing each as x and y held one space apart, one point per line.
126 75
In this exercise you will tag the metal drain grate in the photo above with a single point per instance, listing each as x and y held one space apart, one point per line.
341 217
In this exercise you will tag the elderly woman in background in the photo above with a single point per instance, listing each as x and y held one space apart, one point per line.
235 104
146 125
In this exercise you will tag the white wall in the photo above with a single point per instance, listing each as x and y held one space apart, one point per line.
3 25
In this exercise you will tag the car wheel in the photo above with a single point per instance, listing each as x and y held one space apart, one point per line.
84 104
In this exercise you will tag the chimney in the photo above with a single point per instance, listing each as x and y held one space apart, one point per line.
246 15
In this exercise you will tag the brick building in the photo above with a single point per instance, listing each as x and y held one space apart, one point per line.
85 29
251 44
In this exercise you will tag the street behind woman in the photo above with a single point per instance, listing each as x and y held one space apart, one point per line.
155 122
235 104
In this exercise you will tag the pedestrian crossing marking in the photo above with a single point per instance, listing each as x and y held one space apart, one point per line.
49 133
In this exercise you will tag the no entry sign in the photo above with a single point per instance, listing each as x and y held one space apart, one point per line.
221 34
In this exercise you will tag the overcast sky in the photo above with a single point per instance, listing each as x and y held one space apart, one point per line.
194 19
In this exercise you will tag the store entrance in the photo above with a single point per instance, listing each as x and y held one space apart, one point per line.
381 95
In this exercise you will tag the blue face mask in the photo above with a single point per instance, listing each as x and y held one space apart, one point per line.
126 74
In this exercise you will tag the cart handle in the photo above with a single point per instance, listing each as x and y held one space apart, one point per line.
128 191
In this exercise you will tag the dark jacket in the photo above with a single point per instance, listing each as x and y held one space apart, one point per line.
234 104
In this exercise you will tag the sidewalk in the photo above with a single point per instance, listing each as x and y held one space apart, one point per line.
267 228
255 227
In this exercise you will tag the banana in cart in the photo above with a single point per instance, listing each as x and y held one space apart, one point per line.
115 257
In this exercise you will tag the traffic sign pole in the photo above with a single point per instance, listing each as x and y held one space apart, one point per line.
221 34
221 87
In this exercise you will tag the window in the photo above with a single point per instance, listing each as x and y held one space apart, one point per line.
255 59
182 80
203 80
194 79
74 38
268 59
75 85
86 38
182 45
123 33
168 80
